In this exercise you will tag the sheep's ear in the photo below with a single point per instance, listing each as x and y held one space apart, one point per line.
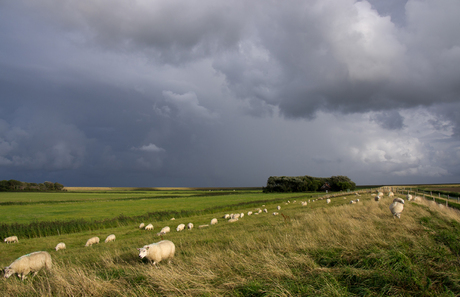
147 248
139 249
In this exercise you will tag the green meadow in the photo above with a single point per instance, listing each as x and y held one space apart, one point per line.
335 249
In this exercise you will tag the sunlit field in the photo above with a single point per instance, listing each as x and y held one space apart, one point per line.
335 249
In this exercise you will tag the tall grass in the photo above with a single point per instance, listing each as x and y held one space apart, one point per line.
324 250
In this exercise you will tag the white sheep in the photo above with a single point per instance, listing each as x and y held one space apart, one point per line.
156 252
11 239
377 198
304 203
265 210
60 246
214 221
204 226
190 226
380 194
234 216
249 213
142 225
409 197
149 227
180 227
31 262
241 215
417 199
278 207
328 201
391 194
227 216
233 220
275 213
172 219
165 230
397 207
92 240
352 202
110 238
259 211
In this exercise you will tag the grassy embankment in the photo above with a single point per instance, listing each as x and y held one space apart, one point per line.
323 250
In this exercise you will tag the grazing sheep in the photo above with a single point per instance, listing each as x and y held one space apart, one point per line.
92 240
304 203
233 220
249 213
110 238
172 219
275 213
60 246
190 226
142 225
204 226
265 210
27 263
417 199
180 227
214 221
397 207
11 239
227 216
165 230
241 215
391 194
377 198
409 197
149 227
278 207
259 211
328 201
156 252
380 194
234 216
357 200
352 202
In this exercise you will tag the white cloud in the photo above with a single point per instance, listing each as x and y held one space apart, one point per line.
188 106
150 148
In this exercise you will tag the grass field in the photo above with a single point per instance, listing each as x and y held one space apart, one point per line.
336 249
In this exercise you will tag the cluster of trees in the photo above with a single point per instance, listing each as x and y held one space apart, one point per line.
15 185
308 183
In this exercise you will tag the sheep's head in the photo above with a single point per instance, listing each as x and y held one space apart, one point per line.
143 252
8 272
399 200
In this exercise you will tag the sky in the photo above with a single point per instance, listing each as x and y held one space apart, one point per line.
212 93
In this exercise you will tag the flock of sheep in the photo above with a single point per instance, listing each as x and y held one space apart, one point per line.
165 249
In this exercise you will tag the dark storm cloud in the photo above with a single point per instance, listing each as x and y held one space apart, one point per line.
203 93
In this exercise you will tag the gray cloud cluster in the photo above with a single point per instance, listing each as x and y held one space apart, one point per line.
203 93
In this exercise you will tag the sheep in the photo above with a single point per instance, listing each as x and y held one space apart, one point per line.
27 263
357 200
249 213
304 203
11 239
380 194
180 227
234 216
417 199
190 226
275 213
142 225
214 221
278 207
172 219
265 210
259 211
328 201
204 226
60 246
233 220
165 230
397 207
156 252
352 202
409 197
390 194
92 240
242 215
227 216
377 198
149 227
110 238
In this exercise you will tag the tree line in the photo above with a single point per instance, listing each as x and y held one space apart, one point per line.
15 185
308 184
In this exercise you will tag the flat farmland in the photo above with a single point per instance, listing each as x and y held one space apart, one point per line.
32 207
